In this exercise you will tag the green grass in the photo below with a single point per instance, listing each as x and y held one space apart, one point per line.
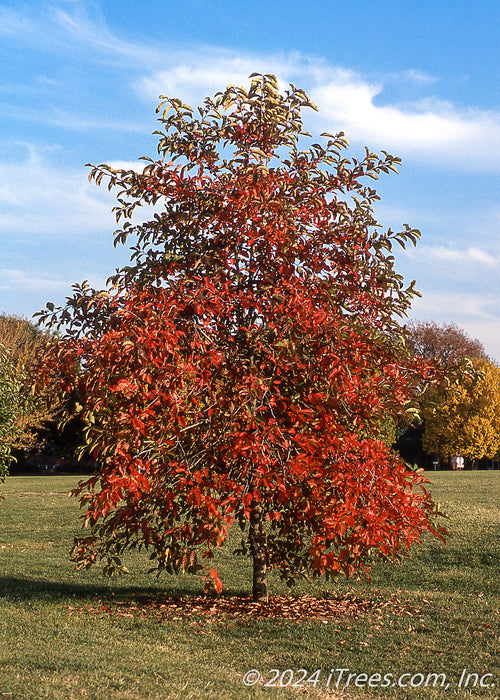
66 634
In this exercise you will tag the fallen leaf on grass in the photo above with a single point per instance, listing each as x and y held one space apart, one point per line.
287 608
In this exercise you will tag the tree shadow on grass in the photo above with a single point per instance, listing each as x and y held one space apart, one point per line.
32 589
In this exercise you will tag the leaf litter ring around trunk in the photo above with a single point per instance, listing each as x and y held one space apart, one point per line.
237 606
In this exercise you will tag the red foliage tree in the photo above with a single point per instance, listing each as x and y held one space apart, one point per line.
241 368
445 344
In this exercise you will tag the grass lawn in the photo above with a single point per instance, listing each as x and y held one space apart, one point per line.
66 634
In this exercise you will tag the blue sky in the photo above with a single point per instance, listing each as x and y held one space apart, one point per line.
80 81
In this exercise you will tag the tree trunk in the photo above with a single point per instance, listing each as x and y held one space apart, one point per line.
258 549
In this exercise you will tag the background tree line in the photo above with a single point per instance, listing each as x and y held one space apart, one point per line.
461 414
30 416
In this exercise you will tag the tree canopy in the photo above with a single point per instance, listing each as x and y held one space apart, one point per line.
444 343
464 418
10 403
22 412
241 368
21 338
454 411
23 345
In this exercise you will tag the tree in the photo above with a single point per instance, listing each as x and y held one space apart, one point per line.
464 418
17 348
10 386
450 348
447 343
23 344
21 338
241 368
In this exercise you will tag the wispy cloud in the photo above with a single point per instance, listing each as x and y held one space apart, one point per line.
66 120
15 23
36 196
83 29
416 76
12 279
78 27
467 306
136 165
471 256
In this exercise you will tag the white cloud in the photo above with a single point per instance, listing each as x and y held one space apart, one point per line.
37 197
80 29
418 77
429 130
184 81
12 279
468 305
192 75
457 257
64 119
137 165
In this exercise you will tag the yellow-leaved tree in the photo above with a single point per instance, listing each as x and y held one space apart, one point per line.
22 346
464 418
